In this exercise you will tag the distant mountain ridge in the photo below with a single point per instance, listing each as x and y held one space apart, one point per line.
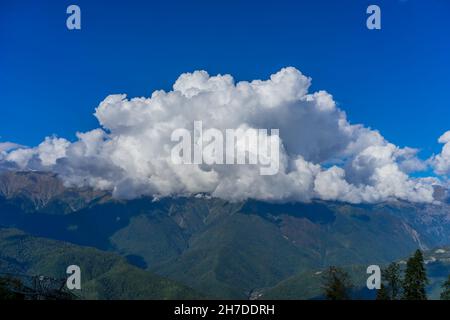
44 192
441 194
222 249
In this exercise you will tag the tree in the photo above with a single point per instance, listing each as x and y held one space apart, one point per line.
337 284
415 278
393 281
382 293
7 291
445 294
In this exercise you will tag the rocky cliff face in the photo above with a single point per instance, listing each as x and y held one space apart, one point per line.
43 191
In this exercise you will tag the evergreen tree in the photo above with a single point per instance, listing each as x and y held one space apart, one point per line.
5 289
337 284
393 281
382 293
415 278
445 294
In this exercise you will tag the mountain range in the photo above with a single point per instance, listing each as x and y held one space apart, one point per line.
201 246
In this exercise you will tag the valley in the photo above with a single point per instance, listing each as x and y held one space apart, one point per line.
220 249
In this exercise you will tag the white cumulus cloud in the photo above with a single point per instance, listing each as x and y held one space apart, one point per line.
441 162
322 155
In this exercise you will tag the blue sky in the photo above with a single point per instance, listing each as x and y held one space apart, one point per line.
396 80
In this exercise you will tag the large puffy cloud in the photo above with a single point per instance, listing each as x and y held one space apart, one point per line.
322 155
5 147
441 162
43 156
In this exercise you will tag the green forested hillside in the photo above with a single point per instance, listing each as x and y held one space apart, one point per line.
221 249
104 275
307 285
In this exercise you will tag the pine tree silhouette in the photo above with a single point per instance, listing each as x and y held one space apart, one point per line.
415 278
382 293
337 284
393 280
445 294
